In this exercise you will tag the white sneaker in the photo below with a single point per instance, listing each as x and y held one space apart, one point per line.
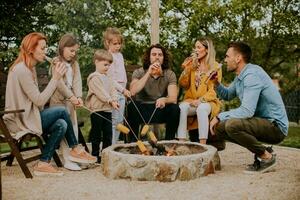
72 166
84 166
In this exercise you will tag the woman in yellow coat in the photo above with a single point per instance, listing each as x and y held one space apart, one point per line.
200 98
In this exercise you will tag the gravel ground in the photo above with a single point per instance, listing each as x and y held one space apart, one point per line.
229 183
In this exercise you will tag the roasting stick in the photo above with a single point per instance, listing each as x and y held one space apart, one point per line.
152 115
146 126
120 127
140 144
137 110
96 113
128 125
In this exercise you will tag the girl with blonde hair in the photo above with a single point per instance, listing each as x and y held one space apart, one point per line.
113 41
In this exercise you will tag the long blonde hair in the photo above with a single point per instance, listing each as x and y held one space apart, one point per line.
28 45
210 58
109 34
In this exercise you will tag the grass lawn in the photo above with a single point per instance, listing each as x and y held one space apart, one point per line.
293 138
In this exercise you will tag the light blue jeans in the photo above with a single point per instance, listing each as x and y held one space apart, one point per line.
56 125
117 117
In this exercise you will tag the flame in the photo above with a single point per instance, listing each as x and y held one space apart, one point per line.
171 151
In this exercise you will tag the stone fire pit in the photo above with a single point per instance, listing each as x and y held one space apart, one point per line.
192 160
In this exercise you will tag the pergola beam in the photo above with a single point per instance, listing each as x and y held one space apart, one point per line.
154 21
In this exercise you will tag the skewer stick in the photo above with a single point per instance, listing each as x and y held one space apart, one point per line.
137 110
141 146
128 125
146 127
83 106
152 115
110 120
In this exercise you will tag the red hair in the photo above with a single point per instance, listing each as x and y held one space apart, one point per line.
28 45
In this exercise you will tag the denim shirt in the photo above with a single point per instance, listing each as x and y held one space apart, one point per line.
258 95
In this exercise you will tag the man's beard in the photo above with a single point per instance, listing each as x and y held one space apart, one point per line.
232 69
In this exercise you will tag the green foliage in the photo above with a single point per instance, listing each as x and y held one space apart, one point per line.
19 18
293 138
272 29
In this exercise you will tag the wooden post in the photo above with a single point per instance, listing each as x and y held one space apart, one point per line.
154 21
0 180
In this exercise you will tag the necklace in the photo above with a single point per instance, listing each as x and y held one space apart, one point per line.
200 71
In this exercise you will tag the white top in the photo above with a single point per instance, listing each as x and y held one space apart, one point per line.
117 70
69 75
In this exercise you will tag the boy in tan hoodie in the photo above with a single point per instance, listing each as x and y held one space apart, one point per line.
101 99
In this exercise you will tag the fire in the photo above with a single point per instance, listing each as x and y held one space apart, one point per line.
171 151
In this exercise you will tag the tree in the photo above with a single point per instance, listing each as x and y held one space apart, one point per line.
271 28
19 18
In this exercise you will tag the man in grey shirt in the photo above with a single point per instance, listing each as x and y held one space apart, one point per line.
154 87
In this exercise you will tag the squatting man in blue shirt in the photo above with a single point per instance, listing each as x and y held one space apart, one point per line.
261 116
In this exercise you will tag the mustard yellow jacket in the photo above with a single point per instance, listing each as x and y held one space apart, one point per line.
205 90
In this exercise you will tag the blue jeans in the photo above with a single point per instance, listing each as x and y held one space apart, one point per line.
117 117
56 125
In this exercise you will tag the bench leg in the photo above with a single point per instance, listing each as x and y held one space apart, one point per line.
57 160
16 153
10 160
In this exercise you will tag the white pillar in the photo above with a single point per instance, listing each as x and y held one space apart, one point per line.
154 21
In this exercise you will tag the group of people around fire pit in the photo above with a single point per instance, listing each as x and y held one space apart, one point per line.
152 98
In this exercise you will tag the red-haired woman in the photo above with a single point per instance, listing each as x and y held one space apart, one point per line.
22 93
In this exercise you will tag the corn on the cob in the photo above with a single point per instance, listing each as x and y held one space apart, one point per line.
122 128
145 129
142 147
152 136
